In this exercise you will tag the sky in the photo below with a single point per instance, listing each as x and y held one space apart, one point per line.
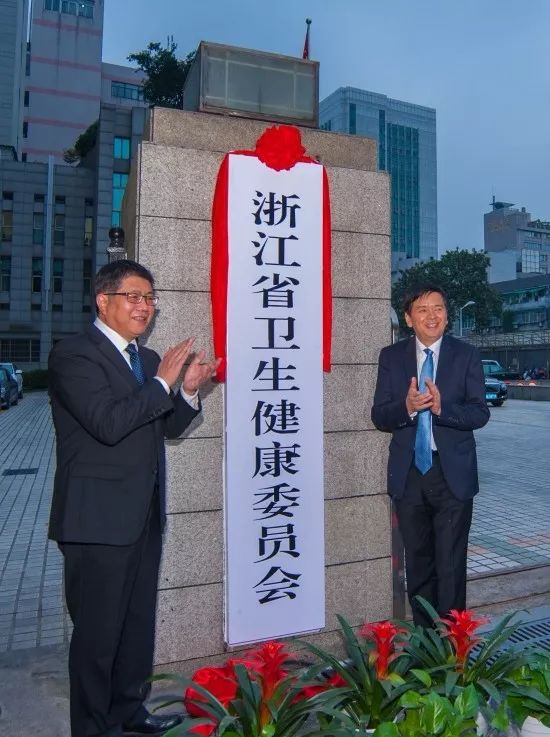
484 65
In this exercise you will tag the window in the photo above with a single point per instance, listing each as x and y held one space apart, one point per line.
25 129
7 225
121 148
352 118
88 230
57 275
59 199
119 185
24 157
20 350
36 306
5 273
88 201
86 276
127 91
83 8
38 228
57 308
39 198
4 305
59 230
26 99
36 280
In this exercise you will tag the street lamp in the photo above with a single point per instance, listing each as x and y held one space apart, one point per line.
468 303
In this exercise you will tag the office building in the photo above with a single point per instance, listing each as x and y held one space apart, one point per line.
517 244
46 256
13 45
406 136
46 263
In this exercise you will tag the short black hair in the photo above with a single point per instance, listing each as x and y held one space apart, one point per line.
420 291
110 276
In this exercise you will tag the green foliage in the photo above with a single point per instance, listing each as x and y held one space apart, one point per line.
488 670
463 276
36 379
166 74
507 321
245 715
368 700
432 715
530 692
83 144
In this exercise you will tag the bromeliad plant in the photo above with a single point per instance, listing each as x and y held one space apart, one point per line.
454 655
529 694
432 715
373 673
260 696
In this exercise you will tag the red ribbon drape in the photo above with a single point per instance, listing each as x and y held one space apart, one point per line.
220 263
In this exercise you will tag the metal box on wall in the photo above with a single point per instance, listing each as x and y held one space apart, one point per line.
253 84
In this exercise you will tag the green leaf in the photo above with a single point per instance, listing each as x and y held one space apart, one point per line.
422 676
386 729
500 720
467 702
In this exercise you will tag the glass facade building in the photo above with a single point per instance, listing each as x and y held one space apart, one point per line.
406 136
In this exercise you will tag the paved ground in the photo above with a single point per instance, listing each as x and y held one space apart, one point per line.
511 525
511 516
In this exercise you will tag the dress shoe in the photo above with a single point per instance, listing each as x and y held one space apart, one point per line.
155 724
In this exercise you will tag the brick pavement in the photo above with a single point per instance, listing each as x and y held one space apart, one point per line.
511 524
31 599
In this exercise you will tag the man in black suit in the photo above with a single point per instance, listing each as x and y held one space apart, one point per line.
113 404
430 394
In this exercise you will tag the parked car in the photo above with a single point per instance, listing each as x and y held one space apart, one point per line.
496 391
9 392
495 370
16 374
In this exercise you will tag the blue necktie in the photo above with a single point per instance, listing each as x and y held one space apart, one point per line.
423 443
135 363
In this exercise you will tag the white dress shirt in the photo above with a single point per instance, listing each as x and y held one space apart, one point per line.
420 358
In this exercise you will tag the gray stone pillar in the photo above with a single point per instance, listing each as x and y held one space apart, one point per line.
166 217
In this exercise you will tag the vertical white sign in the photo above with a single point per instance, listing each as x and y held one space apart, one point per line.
274 522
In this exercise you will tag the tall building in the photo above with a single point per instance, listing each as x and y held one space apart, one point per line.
13 45
64 83
517 245
55 218
406 136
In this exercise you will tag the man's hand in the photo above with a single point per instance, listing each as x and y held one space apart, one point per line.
436 397
198 373
416 401
172 362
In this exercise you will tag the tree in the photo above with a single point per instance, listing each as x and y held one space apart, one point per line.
83 144
463 276
166 74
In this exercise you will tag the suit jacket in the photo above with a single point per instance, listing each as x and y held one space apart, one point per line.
460 381
110 434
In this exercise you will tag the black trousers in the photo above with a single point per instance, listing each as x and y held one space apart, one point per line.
111 594
434 526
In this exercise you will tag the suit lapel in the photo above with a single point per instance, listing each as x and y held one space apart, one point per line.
444 363
108 350
410 365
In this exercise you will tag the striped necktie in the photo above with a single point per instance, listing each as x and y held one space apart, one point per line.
423 442
135 363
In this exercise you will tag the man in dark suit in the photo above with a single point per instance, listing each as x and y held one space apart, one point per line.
430 394
113 404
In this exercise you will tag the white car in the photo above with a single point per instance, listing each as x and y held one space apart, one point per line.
17 374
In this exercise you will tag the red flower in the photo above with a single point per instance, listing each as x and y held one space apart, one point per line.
335 681
221 683
461 628
280 147
267 661
383 635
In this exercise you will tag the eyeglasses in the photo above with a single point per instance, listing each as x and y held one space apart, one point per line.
136 298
